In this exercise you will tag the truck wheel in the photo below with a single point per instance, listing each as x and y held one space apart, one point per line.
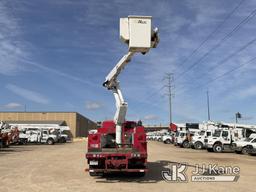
217 148
5 144
244 151
50 142
185 144
199 145
62 140
167 141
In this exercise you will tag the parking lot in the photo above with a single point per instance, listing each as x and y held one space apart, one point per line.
61 168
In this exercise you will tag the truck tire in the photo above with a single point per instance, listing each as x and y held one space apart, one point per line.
50 141
245 151
186 144
62 140
22 141
167 141
198 145
5 144
217 148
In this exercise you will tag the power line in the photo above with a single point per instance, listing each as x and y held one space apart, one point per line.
233 54
227 36
213 32
223 61
223 75
154 92
209 36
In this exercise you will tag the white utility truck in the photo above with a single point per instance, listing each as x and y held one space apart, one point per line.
207 130
198 140
37 136
222 138
252 148
168 138
241 146
184 136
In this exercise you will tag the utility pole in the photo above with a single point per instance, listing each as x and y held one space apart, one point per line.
238 116
208 105
169 86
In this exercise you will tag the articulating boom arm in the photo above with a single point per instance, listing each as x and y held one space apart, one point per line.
112 83
111 78
135 31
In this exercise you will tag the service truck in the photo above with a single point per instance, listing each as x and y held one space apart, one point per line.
241 146
120 145
40 136
223 138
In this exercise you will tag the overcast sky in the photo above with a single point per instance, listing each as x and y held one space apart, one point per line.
54 56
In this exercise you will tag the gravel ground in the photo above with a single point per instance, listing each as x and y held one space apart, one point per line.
61 168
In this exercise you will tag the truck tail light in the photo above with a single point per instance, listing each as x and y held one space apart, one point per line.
94 145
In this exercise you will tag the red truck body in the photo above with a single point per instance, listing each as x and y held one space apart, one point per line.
103 154
9 137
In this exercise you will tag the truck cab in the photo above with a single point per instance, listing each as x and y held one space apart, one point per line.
198 139
222 139
168 138
48 137
183 138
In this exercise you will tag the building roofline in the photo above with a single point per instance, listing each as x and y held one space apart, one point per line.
44 112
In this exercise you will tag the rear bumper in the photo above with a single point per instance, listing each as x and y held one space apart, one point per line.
117 162
116 170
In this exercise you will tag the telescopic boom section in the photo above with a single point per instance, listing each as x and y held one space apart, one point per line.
136 31
112 83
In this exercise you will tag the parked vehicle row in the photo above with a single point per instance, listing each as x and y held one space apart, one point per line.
14 135
214 137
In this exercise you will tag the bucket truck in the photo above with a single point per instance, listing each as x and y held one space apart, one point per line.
120 145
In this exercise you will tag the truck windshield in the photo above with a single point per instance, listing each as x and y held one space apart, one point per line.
248 139
201 132
216 133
